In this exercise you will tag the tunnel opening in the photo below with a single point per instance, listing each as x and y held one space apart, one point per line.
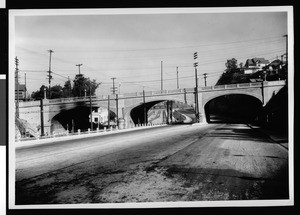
234 108
163 112
78 118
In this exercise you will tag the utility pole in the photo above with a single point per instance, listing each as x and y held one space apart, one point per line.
177 77
91 109
49 73
114 92
171 111
42 117
161 75
196 88
79 65
286 46
117 107
108 111
144 106
205 76
79 75
25 88
69 87
17 81
168 113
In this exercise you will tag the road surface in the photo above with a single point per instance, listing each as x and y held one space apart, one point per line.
172 163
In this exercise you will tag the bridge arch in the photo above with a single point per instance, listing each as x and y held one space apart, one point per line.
232 107
135 113
210 96
73 118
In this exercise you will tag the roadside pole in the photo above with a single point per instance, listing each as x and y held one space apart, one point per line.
168 113
108 111
144 106
185 101
42 117
117 107
196 88
171 114
91 109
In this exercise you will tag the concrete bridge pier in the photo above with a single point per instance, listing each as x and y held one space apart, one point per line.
202 117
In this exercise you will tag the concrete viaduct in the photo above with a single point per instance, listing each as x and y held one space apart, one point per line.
125 105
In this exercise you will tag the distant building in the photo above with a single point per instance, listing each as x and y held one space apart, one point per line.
255 64
100 115
275 65
22 92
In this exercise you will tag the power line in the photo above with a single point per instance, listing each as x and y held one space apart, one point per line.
178 47
60 75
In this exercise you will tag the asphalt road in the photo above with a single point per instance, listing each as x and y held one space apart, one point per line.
172 163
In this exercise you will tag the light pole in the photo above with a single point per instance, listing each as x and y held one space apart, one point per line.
205 76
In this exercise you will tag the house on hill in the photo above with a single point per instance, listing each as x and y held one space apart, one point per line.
22 92
255 64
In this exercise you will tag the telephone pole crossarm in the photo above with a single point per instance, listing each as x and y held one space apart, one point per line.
79 65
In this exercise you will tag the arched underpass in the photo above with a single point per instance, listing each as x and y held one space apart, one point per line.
181 112
74 119
234 108
137 114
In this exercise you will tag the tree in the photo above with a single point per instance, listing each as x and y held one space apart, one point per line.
67 89
233 74
56 92
39 94
82 84
231 66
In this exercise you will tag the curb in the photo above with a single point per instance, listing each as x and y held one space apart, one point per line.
30 143
275 140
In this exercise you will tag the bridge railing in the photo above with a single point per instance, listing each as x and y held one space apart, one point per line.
219 87
244 85
162 92
190 90
230 86
255 84
87 131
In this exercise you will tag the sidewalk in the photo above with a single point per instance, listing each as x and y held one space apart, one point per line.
29 143
273 135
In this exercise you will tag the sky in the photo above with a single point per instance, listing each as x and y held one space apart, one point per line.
134 48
